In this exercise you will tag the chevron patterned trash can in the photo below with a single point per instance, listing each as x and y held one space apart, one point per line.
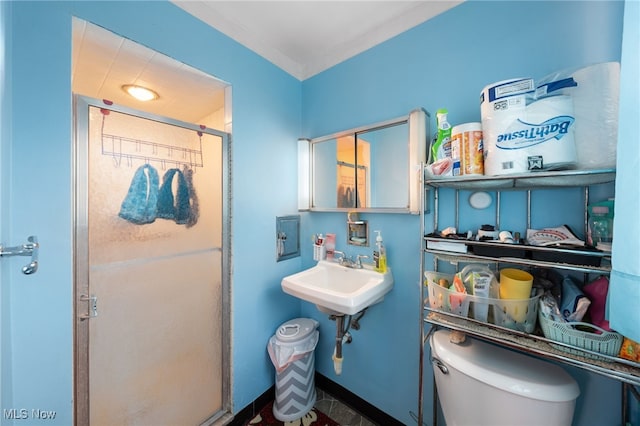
295 383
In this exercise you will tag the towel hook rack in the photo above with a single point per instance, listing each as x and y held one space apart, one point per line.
28 249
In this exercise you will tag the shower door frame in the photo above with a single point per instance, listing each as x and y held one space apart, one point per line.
80 182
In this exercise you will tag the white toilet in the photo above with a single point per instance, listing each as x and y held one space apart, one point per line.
482 384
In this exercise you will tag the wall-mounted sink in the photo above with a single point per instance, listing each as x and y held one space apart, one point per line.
337 289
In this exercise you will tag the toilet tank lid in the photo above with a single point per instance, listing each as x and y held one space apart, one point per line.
505 369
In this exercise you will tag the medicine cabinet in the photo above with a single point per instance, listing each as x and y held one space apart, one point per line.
373 168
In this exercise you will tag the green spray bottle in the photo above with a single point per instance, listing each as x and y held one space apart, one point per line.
441 148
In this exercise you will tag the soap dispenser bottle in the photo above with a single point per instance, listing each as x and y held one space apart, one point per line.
380 255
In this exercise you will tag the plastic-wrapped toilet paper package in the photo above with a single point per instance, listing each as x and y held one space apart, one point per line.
595 92
550 133
501 104
522 134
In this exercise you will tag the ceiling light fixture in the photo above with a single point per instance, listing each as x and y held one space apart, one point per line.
140 93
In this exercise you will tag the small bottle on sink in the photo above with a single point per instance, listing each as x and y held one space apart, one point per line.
380 255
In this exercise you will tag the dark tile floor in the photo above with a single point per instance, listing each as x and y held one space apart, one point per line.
339 411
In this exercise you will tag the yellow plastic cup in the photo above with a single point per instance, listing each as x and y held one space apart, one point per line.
516 284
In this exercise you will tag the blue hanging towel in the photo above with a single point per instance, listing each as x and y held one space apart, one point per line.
140 204
171 208
193 197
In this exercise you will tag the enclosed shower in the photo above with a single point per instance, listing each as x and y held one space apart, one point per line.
152 269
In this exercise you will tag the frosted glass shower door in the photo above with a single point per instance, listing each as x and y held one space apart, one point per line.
155 207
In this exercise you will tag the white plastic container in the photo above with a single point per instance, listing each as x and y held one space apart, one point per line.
467 146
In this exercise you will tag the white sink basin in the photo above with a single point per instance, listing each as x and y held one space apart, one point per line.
337 289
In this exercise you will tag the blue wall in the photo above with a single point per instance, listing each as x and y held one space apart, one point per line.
266 126
445 63
442 63
5 133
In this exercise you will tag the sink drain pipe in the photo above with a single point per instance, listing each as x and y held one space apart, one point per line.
342 336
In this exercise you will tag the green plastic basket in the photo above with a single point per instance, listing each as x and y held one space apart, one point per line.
606 343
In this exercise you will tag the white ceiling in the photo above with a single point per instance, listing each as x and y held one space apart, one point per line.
307 37
103 62
301 37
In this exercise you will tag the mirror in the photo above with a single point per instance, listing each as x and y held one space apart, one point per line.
373 168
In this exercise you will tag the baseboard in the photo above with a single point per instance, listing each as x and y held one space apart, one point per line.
250 411
354 401
344 395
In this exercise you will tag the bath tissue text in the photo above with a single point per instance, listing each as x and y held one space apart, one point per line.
522 134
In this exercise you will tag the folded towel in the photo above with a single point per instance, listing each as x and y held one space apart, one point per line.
573 304
174 208
140 203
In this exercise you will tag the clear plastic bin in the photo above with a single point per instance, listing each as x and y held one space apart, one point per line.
520 315
443 299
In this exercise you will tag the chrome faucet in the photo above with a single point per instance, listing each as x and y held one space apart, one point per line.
348 262
359 260
343 259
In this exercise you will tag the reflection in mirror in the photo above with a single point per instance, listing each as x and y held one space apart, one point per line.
352 164
389 163
324 166
369 168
